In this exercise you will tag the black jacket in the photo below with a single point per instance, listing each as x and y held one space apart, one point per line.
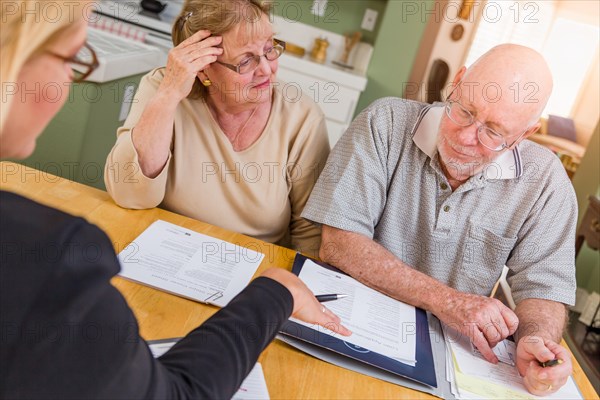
66 332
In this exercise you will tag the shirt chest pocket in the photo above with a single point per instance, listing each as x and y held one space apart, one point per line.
485 254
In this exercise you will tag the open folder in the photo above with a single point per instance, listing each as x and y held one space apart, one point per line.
378 314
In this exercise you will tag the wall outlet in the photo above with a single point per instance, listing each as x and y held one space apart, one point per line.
318 7
369 20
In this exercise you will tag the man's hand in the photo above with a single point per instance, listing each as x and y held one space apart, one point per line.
540 381
485 321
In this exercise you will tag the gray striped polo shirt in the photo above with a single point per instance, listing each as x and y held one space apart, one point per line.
383 180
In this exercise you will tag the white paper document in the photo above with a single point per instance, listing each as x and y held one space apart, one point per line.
160 347
378 322
477 378
253 387
506 351
189 264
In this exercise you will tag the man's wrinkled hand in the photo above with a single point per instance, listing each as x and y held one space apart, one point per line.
484 320
541 381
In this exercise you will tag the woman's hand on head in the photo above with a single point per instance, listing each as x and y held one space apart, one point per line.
186 60
306 306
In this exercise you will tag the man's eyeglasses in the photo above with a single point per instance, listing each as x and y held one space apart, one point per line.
249 64
83 63
488 137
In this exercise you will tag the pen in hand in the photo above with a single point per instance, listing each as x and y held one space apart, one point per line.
322 298
550 363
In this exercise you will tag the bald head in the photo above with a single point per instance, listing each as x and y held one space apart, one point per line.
514 78
505 90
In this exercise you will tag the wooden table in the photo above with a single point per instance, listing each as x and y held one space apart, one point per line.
289 373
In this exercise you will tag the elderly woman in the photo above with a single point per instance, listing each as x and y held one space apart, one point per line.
213 136
48 302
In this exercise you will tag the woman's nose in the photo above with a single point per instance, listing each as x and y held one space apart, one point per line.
264 66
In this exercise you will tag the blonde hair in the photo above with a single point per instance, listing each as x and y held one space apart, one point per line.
28 28
218 17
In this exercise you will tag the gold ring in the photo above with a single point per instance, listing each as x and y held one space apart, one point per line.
549 388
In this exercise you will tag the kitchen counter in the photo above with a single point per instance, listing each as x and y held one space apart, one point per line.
335 89
328 71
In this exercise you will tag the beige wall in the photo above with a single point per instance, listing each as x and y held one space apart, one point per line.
437 43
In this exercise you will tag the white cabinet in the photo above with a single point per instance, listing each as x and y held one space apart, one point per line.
335 131
335 90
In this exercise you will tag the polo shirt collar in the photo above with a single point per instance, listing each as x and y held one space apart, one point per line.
507 166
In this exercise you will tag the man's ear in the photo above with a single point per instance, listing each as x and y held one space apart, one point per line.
457 78
459 75
533 129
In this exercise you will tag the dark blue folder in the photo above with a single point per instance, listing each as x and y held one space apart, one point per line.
423 371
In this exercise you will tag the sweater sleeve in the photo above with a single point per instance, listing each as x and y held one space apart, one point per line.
307 160
123 176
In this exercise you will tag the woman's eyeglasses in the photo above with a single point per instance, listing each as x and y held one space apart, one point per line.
249 64
83 63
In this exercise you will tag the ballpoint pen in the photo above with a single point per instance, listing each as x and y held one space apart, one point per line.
322 298
551 363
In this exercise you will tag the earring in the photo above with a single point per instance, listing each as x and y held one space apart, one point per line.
206 82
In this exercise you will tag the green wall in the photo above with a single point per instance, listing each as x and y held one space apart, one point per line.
341 16
395 49
77 141
587 182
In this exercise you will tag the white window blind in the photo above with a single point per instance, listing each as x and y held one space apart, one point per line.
570 50
523 22
568 44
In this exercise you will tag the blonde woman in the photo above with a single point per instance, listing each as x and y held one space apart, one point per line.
216 137
66 331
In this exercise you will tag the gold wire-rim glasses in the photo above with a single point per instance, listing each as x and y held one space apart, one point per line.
279 49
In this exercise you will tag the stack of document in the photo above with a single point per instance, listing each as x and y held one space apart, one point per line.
177 260
472 377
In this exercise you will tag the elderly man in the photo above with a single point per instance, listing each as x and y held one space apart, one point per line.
428 203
